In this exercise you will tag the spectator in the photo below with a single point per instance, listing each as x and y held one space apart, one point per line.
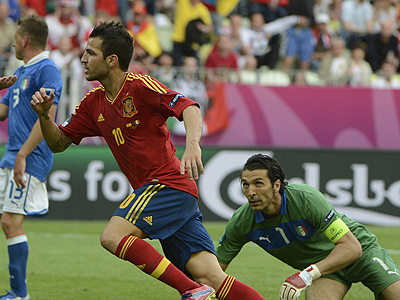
39 6
100 16
322 39
359 71
334 65
144 32
380 44
386 77
67 21
383 11
237 32
335 14
110 6
249 74
222 60
188 84
256 40
299 37
72 75
357 18
165 72
186 11
322 7
270 9
7 30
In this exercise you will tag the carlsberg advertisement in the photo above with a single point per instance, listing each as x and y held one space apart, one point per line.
85 182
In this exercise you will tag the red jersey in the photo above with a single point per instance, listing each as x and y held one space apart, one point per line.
133 125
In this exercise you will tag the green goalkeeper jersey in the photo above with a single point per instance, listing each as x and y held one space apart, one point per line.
296 236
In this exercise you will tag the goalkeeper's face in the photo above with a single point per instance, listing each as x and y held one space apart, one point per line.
260 192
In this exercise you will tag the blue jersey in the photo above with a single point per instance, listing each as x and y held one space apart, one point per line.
39 72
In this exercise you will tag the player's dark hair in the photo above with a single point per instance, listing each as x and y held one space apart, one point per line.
36 29
264 162
115 40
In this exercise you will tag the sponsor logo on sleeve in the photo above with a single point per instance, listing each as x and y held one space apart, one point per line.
329 217
66 122
176 98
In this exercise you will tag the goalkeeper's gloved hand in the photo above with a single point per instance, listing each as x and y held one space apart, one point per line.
295 284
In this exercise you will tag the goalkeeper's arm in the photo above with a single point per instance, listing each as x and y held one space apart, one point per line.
347 250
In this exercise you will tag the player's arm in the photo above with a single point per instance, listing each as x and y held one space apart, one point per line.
191 158
3 111
33 140
347 248
346 251
53 135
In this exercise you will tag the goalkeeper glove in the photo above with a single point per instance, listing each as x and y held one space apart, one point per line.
295 284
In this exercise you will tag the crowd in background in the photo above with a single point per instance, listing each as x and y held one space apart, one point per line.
189 43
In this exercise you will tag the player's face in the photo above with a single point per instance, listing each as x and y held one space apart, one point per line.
259 191
18 40
94 65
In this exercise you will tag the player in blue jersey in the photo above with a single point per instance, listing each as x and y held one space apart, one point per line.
27 160
298 225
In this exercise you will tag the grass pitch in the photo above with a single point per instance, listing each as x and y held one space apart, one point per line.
66 261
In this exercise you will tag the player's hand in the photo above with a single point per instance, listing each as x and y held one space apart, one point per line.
19 171
7 81
295 284
41 102
191 161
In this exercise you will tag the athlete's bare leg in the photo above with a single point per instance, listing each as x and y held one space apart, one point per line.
392 292
327 289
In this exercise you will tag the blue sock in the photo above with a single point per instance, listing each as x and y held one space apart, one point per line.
18 255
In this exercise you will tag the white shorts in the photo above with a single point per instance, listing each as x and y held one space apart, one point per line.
31 200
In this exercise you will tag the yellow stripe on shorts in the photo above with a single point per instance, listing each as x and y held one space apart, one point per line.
142 201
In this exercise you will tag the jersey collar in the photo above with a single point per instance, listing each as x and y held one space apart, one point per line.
260 216
37 58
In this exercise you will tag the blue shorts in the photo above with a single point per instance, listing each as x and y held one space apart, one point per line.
300 41
171 216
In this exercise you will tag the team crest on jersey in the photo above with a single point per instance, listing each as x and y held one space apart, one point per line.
129 107
301 230
25 83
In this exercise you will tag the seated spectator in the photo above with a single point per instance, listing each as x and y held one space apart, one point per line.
383 11
237 32
249 74
165 72
186 11
357 18
359 71
222 61
322 39
380 44
188 83
67 21
300 37
334 65
7 30
387 76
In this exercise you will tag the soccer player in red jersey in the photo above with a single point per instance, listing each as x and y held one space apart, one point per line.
130 112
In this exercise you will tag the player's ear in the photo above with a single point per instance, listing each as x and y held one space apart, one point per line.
112 60
277 185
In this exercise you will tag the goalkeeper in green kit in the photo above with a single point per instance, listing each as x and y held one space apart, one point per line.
297 224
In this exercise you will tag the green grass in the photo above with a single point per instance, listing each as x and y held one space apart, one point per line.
66 261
